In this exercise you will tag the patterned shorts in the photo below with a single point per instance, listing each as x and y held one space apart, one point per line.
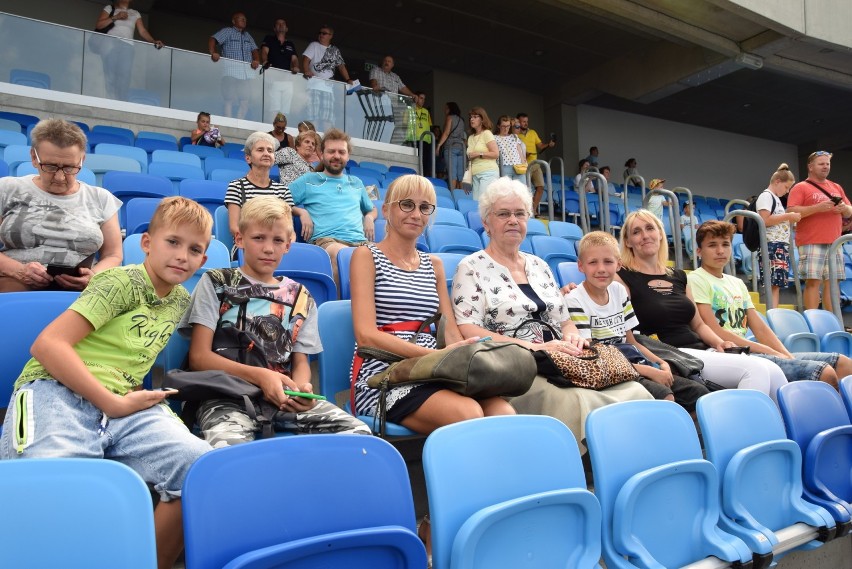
321 105
813 262
779 264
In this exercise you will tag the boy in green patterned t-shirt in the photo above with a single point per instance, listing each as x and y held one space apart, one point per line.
78 396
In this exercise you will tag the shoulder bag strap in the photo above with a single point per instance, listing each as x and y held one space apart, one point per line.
817 186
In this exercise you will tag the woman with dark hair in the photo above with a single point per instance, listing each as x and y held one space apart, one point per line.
512 149
482 151
454 137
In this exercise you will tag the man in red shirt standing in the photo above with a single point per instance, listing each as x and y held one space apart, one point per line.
823 205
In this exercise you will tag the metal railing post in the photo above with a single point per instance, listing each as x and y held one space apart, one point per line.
733 203
561 180
420 142
764 251
603 197
624 189
691 203
800 304
673 222
833 283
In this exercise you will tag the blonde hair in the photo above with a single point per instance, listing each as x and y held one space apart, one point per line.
178 211
782 174
597 239
628 260
409 184
265 211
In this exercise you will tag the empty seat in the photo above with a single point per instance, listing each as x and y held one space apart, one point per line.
221 230
175 157
380 168
467 205
453 239
536 227
569 272
208 193
125 133
203 152
142 134
448 216
175 172
450 262
444 202
11 138
22 119
833 337
438 182
125 151
226 175
101 164
565 230
138 213
211 164
792 329
127 185
553 250
10 125
344 260
151 145
402 170
29 78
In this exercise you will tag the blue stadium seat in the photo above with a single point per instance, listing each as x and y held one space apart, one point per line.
101 164
4 169
511 488
10 125
448 216
450 262
203 152
176 172
16 154
761 474
142 134
643 453
29 78
380 168
221 230
96 138
211 164
366 178
126 151
453 239
61 503
402 169
568 272
475 222
371 527
11 138
553 250
320 285
344 260
335 363
226 175
441 191
229 147
792 329
467 205
438 182
443 202
833 337
127 185
83 126
125 133
390 177
175 157
22 119
208 193
565 230
138 213
818 422
536 227
151 145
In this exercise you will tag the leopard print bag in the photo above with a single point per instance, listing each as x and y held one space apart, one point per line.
597 367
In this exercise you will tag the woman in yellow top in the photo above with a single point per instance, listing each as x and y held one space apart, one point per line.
482 151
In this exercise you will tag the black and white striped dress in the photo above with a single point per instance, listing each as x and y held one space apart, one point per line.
401 296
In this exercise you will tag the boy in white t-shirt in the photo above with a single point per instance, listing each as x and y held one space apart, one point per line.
601 310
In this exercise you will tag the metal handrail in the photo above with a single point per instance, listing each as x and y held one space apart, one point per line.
624 195
691 203
800 304
764 250
833 283
420 142
603 197
585 217
561 180
675 225
732 203
545 169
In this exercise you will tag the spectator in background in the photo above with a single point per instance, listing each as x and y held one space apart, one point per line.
260 151
593 156
588 186
777 222
440 163
422 123
630 170
534 145
606 172
384 79
688 224
278 52
453 142
306 126
823 205
319 61
237 44
279 132
482 151
339 213
512 150
205 134
294 162
657 202
120 21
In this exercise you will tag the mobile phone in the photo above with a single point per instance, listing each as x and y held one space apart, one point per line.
738 350
168 389
56 270
553 136
836 200
485 339
305 395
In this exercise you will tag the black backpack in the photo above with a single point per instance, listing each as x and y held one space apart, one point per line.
751 232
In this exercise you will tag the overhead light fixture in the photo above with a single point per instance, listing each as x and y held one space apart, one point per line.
750 60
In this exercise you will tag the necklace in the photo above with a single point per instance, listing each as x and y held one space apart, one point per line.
406 264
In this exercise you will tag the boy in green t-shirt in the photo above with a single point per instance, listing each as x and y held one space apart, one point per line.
79 395
725 305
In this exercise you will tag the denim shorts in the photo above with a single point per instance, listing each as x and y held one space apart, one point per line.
805 365
45 419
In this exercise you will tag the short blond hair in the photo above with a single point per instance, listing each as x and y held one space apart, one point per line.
178 211
265 211
597 239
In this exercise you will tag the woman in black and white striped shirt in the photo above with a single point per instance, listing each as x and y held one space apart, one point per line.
260 156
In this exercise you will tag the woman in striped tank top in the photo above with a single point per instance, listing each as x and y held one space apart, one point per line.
392 283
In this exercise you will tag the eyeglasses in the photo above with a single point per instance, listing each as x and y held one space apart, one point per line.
54 168
408 206
505 214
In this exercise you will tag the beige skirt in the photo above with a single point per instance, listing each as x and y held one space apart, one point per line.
571 405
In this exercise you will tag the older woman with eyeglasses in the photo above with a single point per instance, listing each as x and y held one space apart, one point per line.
512 296
53 225
394 284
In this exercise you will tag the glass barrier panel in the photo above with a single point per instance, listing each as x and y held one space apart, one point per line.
227 88
126 70
380 116
37 54
284 92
